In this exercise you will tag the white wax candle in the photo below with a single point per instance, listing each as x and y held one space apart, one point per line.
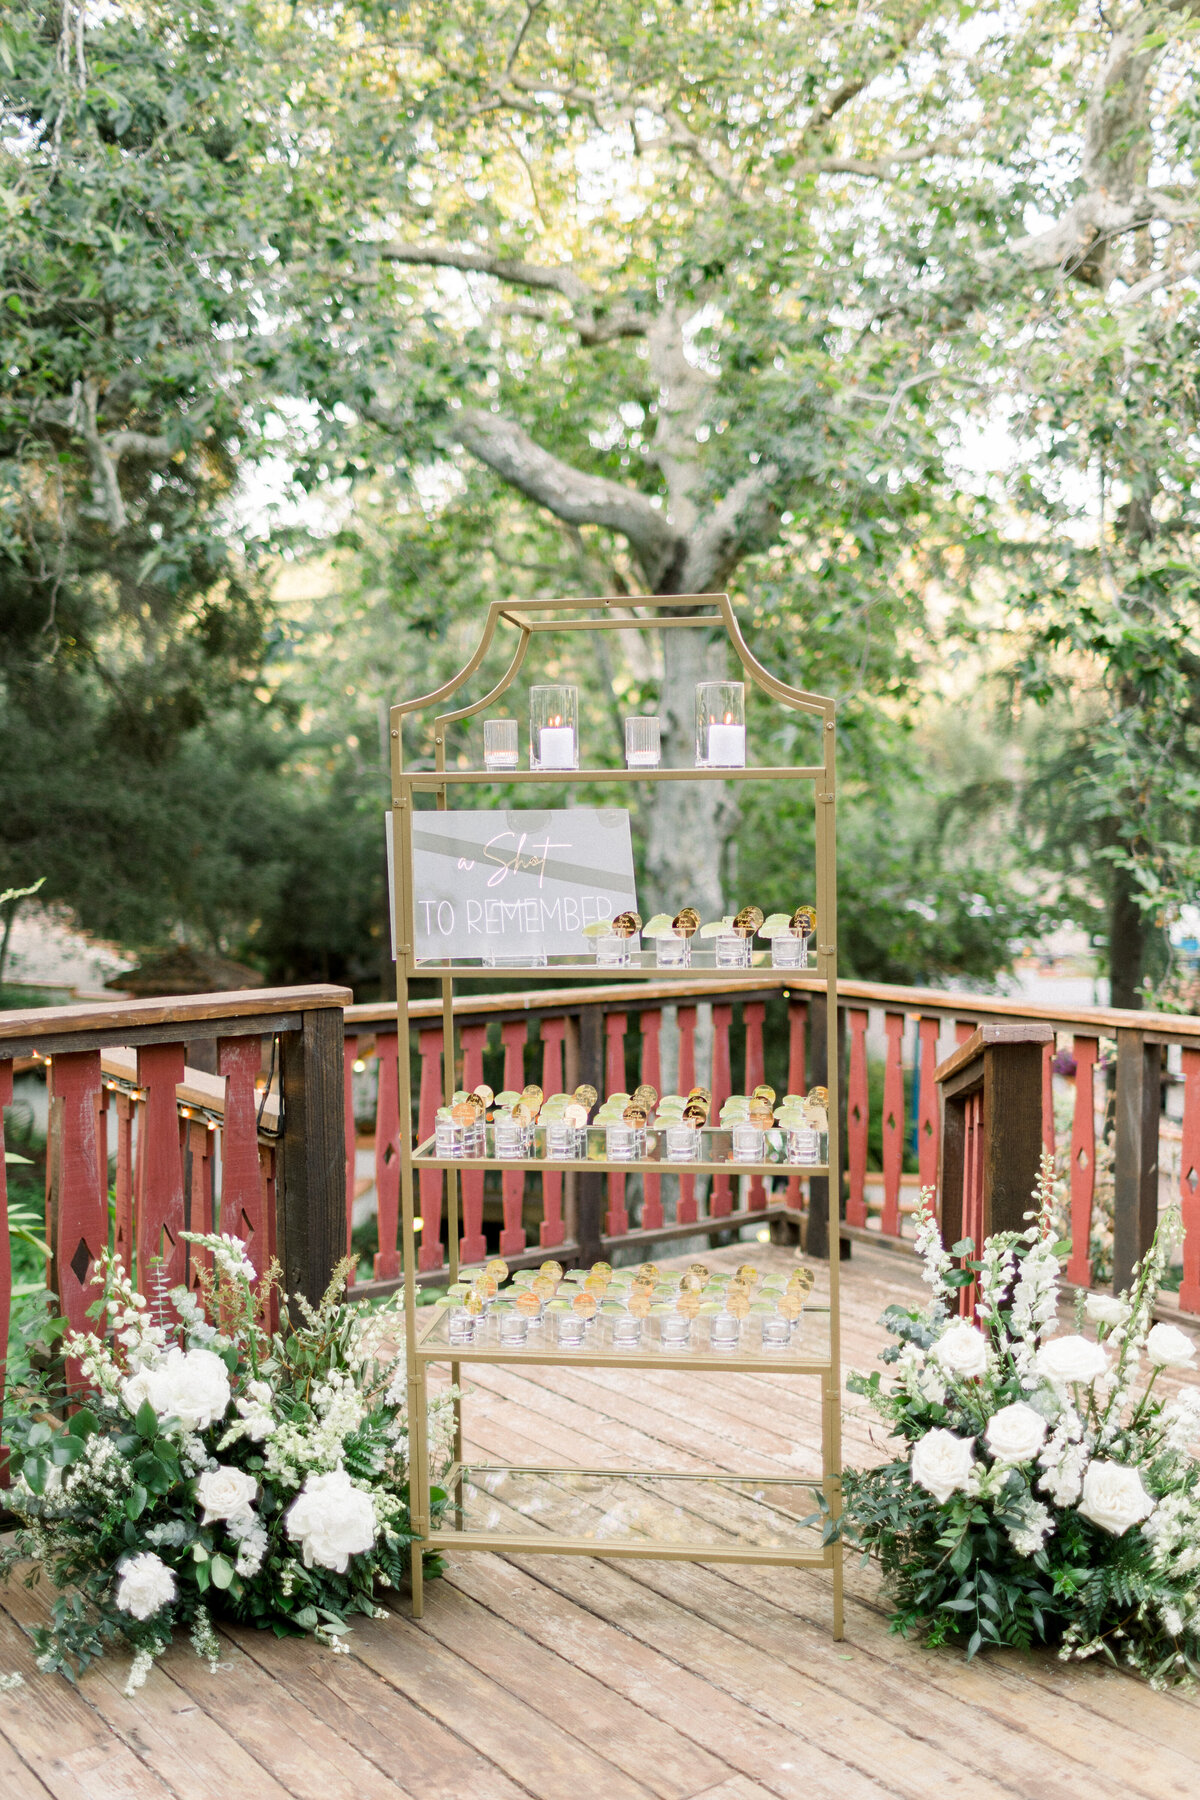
727 746
556 747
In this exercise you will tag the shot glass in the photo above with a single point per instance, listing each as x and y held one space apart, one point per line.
803 1146
788 952
500 746
683 1143
643 742
732 950
673 952
748 1144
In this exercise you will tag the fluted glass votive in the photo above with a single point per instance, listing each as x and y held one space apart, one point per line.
732 950
748 1144
720 725
683 1143
643 742
500 746
460 1327
803 1146
554 727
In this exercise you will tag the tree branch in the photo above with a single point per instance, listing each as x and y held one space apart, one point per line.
593 327
721 537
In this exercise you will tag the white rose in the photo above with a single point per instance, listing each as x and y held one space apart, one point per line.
191 1386
941 1463
332 1521
1114 1498
1169 1347
225 1492
961 1350
135 1389
145 1585
1069 1359
1016 1433
1105 1309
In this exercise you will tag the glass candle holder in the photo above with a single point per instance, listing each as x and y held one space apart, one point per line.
673 952
733 951
676 1331
626 1332
788 952
720 725
748 1144
803 1146
614 951
725 1332
500 746
643 742
514 1330
683 1143
566 1142
554 728
620 1143
776 1333
460 1327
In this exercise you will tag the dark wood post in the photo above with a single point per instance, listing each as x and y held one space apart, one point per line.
816 1227
311 1191
991 1131
1135 1163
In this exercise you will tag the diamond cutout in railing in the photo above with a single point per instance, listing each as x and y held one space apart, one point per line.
891 1121
1082 1159
1192 1177
80 1262
248 1226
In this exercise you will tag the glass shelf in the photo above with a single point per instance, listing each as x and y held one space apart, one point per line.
631 1512
807 1354
424 780
713 1138
640 965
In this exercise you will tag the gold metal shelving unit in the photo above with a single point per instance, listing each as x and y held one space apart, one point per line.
774 1505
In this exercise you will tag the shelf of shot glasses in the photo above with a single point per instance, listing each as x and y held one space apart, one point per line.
698 1318
534 1131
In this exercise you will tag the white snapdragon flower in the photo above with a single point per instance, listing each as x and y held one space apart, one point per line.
144 1585
1181 1419
1016 1433
254 1407
961 1351
941 1463
250 1536
332 1520
225 1492
1170 1348
1037 1523
1106 1309
1114 1498
1067 1360
229 1255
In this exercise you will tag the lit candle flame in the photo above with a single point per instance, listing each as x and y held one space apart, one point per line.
729 718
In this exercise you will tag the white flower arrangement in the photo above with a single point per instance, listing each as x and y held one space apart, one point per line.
1046 1492
217 1467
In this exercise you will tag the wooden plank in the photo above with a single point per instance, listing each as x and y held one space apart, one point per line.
17 1781
643 1747
382 1723
160 1724
193 1010
535 1752
56 1734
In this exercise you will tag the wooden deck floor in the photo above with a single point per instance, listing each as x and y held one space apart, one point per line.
567 1677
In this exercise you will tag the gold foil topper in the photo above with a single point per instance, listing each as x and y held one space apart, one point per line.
602 1268
484 1286
789 1306
763 1092
497 1268
586 1095
802 1278
700 1093
688 1304
695 1114
761 1116
626 924
474 1304
528 1302
464 1114
700 1269
804 921
551 1268
747 1272
819 1096
636 1116
585 1305
652 1270
737 1303
575 1115
543 1286
596 1284
645 1095
532 1095
483 1092
638 1304
747 922
686 922
691 1284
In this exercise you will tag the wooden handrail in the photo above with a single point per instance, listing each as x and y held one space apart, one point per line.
95 1026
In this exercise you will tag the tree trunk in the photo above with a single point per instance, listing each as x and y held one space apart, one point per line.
1127 934
688 822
